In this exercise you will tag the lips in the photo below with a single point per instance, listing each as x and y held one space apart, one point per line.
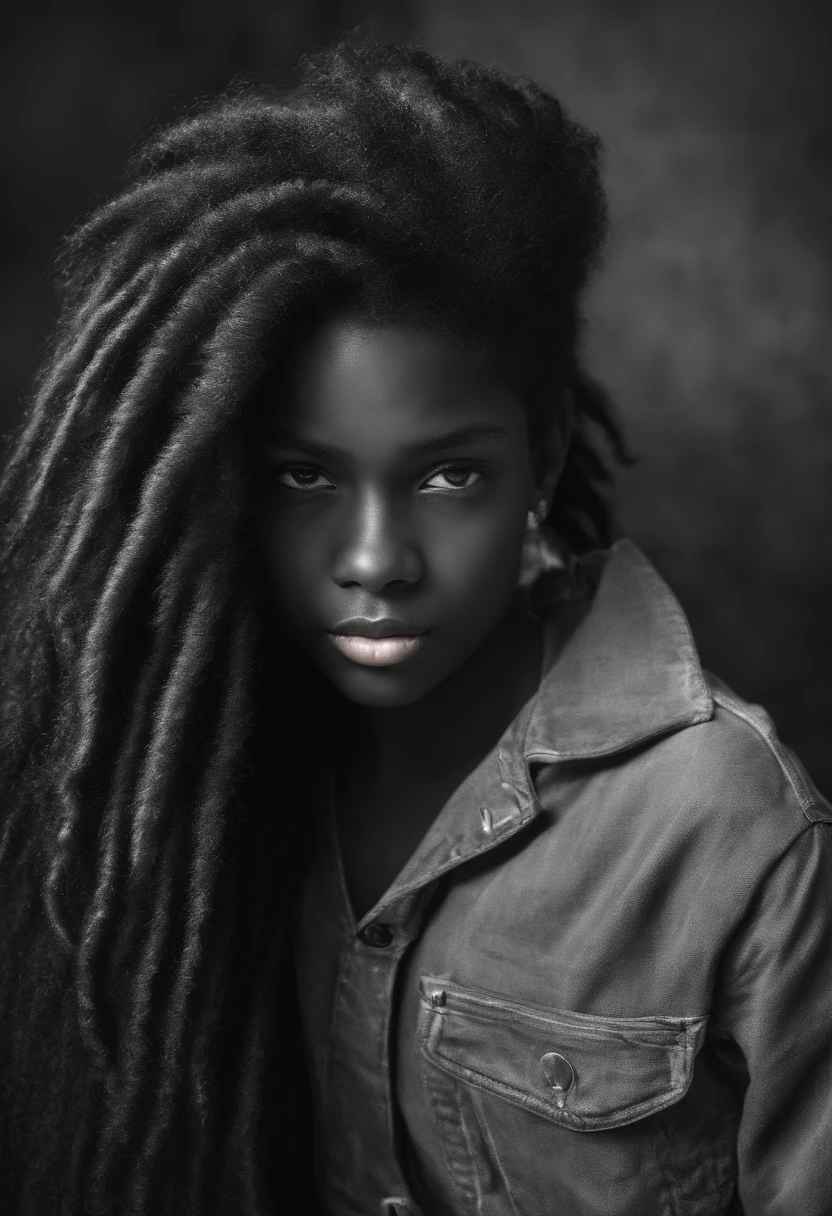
377 643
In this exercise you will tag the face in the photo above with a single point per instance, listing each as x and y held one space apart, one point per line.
397 481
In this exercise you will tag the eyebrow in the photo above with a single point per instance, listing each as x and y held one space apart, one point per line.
457 438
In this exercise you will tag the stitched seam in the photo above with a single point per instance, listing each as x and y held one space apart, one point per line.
485 1132
695 674
593 1034
472 1156
798 786
626 742
437 1085
665 1153
495 1008
671 1093
447 1122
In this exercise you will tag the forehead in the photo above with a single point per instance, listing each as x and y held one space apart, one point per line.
355 384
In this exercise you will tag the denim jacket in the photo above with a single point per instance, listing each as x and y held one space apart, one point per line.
603 981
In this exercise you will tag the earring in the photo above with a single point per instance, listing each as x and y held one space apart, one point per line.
543 552
537 514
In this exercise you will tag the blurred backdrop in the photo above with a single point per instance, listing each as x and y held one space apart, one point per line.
710 324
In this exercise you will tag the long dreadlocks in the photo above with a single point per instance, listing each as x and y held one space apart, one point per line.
147 1045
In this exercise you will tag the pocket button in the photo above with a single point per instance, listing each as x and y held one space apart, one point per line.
559 1075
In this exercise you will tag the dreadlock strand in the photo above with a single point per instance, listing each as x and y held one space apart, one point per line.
169 621
138 1103
158 208
203 299
272 206
122 1112
142 956
90 381
92 676
212 802
184 205
90 350
201 222
222 351
93 666
171 719
202 1079
252 124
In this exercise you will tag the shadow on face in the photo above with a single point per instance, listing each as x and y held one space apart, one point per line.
396 480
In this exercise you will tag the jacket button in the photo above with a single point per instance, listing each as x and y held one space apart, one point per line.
559 1075
376 934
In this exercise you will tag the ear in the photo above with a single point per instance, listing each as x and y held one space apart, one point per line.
553 447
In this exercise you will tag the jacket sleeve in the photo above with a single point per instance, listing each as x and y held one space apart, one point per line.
775 1002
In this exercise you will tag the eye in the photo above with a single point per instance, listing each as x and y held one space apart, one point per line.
304 478
454 477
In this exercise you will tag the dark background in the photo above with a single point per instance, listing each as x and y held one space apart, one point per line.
710 324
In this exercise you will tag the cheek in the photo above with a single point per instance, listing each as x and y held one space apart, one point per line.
293 557
474 569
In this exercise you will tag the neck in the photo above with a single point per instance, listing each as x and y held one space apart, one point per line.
459 722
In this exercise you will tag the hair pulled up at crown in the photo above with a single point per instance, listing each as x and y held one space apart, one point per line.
143 885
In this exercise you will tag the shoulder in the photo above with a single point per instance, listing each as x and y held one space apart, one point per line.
729 776
627 720
721 794
704 813
725 792
751 756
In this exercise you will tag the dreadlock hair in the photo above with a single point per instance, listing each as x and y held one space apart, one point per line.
148 1043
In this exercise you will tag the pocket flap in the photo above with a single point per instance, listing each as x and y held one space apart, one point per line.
584 1072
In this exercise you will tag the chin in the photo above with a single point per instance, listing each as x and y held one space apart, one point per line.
382 687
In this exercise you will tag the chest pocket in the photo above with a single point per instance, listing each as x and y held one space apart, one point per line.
582 1072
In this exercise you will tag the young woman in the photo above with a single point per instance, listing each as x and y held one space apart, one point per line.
319 677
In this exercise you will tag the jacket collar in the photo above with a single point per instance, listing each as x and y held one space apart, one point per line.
627 673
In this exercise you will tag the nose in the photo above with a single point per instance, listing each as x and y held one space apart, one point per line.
378 549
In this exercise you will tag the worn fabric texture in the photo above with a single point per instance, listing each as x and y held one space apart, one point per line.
602 982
